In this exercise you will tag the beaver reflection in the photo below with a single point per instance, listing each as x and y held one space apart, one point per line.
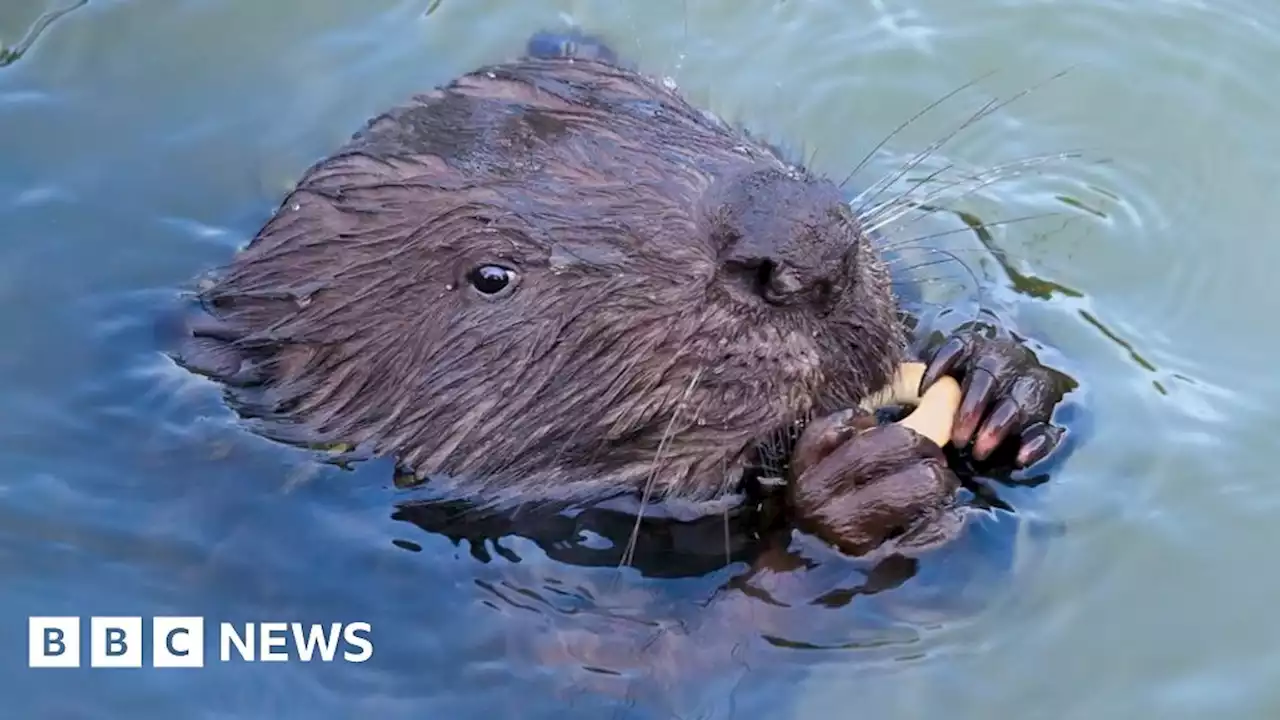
787 591
657 546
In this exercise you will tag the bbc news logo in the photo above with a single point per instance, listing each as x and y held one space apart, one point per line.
179 642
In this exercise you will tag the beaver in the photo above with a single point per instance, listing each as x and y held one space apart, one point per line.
553 281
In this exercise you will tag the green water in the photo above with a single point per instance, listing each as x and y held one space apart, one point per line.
141 142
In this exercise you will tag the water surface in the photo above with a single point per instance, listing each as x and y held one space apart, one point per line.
142 142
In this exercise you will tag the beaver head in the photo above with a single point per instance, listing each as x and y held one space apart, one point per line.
552 279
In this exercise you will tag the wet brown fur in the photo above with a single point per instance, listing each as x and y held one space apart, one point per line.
635 345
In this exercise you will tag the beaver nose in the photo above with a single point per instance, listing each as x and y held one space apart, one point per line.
784 237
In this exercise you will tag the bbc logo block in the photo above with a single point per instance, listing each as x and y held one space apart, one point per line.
177 642
53 642
115 642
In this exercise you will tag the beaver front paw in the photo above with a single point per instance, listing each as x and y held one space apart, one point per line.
1006 392
862 487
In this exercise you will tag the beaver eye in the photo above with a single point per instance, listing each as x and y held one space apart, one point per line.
490 279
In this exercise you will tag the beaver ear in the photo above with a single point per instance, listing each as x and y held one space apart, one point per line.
569 44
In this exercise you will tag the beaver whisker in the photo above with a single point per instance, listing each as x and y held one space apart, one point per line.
926 207
664 443
986 110
892 177
887 215
728 547
949 257
938 280
864 214
951 253
905 199
921 113
865 197
893 210
978 179
898 261
771 453
906 243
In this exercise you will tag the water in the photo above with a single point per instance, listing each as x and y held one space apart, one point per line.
143 141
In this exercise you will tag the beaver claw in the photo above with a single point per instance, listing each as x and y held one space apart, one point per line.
1005 392
860 489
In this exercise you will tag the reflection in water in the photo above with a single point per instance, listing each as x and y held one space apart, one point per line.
613 632
1113 337
12 54
1028 285
1079 204
1043 289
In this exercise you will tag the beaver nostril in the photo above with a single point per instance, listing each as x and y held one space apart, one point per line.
764 275
778 282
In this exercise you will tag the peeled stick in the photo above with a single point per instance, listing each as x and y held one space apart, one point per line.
935 411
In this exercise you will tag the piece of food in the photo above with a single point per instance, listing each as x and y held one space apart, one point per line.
935 411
